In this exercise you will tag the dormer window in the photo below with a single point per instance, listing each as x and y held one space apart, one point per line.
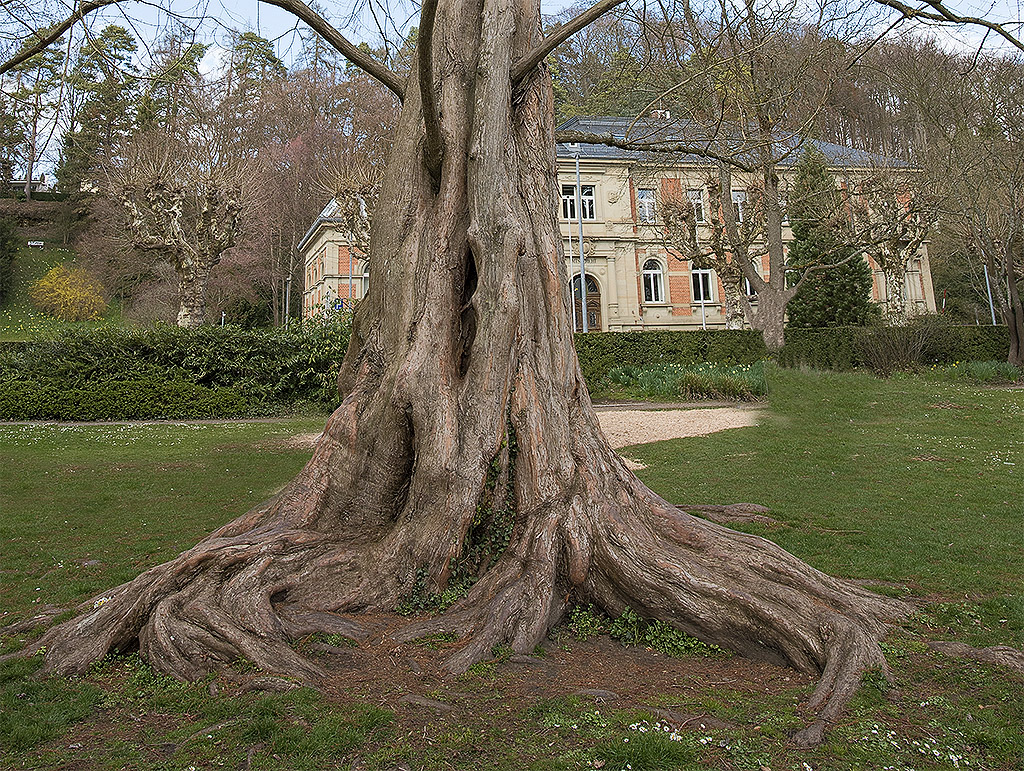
645 207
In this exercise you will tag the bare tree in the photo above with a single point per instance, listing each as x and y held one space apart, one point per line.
181 207
466 451
895 217
971 113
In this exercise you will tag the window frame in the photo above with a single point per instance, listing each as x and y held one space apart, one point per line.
739 203
705 276
695 195
646 206
658 296
588 202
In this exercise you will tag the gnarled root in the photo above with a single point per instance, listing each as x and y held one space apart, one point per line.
264 580
204 609
732 589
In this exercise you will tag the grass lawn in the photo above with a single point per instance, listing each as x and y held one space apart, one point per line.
19 320
910 481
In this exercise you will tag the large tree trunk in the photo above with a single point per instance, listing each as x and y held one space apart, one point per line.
193 279
770 317
466 447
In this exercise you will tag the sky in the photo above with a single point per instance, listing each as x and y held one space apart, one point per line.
363 21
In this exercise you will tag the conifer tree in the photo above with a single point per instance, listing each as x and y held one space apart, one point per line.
106 109
839 296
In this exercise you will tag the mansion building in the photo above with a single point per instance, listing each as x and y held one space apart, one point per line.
634 280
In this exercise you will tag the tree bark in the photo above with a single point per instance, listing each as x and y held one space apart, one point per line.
895 307
466 449
732 302
193 278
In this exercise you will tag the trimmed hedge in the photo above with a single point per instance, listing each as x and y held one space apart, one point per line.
599 352
845 348
125 400
165 372
214 372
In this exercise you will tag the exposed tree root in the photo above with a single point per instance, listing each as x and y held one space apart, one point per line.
732 513
1000 655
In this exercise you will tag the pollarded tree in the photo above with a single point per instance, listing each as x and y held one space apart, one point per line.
182 203
896 220
466 447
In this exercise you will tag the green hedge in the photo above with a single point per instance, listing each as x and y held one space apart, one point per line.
844 348
599 352
166 372
119 400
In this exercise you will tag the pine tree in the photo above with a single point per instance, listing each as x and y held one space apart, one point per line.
35 97
831 297
106 107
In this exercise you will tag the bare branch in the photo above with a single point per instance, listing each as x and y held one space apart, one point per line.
673 147
356 55
316 22
559 36
945 16
54 34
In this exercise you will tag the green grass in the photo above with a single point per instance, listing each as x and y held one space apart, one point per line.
991 372
19 320
912 480
901 480
87 507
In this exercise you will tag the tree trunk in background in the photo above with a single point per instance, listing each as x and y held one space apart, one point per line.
193 278
732 300
30 161
1013 310
894 310
466 449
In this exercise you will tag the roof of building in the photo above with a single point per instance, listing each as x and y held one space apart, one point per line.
326 217
676 131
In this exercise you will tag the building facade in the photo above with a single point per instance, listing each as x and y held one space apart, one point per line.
336 273
634 280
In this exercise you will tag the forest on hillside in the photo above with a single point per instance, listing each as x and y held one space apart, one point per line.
232 133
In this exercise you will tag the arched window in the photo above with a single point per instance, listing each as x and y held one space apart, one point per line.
654 282
593 304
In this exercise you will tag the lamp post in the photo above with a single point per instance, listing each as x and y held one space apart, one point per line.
579 241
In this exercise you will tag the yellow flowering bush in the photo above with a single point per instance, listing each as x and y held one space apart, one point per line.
69 294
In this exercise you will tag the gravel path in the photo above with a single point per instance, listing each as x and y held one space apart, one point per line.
645 423
632 426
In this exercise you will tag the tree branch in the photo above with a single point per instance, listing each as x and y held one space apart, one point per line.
945 16
356 55
316 22
559 36
706 151
433 149
54 34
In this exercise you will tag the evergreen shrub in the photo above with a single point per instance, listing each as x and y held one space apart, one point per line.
207 372
8 250
114 373
600 352
927 340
